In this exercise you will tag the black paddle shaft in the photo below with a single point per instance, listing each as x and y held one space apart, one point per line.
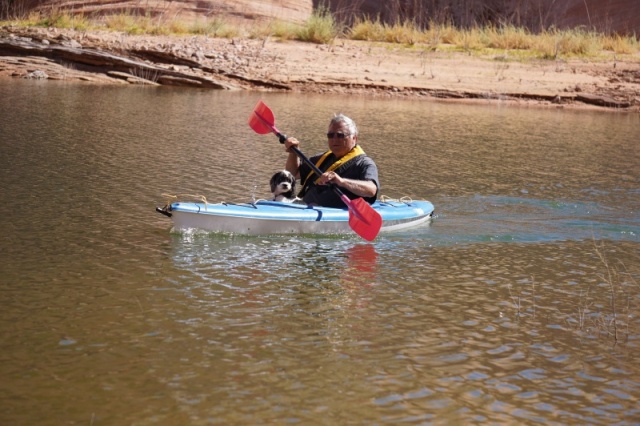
315 168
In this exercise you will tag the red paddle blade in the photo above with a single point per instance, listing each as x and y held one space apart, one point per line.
363 219
262 120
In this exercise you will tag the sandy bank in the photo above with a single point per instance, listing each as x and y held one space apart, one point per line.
380 70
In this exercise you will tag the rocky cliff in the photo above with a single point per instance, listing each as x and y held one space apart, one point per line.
622 16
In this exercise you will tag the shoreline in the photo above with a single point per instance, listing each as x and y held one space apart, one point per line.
345 67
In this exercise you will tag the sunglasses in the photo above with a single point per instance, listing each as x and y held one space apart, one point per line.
339 135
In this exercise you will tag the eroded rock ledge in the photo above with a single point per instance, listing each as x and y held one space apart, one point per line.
59 57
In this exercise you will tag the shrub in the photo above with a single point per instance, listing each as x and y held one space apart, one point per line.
320 28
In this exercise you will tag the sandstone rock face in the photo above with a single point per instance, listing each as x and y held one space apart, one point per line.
622 16
286 10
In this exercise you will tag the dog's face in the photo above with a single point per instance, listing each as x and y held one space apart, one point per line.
283 183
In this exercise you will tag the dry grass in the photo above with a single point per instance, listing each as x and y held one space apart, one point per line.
322 28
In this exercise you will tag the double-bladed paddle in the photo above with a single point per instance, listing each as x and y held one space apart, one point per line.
363 219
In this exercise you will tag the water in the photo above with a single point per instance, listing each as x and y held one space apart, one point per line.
500 310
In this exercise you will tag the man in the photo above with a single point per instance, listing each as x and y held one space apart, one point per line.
345 165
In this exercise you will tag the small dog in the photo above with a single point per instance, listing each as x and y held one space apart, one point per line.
283 187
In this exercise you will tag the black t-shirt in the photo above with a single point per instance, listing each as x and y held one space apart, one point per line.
361 167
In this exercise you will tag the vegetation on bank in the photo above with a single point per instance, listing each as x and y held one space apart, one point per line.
323 28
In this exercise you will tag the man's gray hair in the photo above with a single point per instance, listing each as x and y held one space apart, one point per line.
351 125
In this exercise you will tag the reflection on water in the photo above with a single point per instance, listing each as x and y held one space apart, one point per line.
518 303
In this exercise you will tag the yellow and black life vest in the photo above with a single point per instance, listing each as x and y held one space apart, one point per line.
355 152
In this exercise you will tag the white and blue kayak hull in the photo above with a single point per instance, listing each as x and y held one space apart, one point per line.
273 217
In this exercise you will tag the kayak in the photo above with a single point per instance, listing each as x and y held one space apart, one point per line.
275 217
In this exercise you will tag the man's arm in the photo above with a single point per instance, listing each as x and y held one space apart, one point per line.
361 188
293 164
